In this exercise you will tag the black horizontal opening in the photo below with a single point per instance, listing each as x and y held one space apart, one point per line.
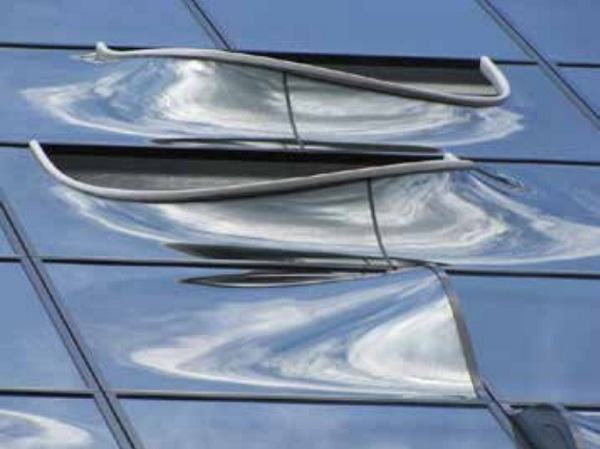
158 168
461 76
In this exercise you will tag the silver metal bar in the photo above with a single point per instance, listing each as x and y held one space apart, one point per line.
449 163
488 69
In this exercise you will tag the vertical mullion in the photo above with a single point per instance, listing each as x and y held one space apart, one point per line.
544 62
208 24
34 269
290 110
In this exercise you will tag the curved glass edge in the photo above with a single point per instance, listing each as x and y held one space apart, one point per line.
372 336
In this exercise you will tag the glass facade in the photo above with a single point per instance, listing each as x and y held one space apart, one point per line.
364 314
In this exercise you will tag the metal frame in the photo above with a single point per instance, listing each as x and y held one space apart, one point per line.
448 163
106 401
490 71
543 61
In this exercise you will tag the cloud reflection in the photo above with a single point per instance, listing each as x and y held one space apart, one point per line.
389 335
161 98
588 426
325 111
19 430
335 220
455 217
466 218
169 98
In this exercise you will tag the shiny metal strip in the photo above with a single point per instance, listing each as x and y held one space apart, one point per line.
489 70
250 189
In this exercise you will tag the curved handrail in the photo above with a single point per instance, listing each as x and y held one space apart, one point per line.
449 163
487 67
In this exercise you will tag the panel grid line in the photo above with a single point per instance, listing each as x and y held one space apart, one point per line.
107 403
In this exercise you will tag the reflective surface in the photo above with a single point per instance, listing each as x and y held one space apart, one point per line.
409 28
73 98
537 121
137 101
5 248
586 81
31 353
75 22
565 31
254 425
533 217
535 339
304 221
588 426
51 423
179 329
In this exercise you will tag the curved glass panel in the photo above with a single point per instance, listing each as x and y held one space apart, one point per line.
72 98
31 352
535 338
588 427
181 329
537 120
521 217
297 426
73 22
50 423
325 221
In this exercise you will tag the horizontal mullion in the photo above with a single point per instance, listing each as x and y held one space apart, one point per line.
302 398
490 272
214 264
46 392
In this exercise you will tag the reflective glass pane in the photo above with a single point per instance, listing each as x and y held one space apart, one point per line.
213 330
5 247
587 82
72 98
234 425
537 121
565 31
588 427
516 216
535 339
51 423
335 220
31 353
75 22
409 28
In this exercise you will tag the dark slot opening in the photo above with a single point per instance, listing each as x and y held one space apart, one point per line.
456 76
186 168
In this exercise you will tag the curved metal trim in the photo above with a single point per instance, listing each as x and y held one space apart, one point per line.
250 189
488 69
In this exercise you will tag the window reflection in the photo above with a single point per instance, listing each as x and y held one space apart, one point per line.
50 423
472 219
236 425
169 98
389 335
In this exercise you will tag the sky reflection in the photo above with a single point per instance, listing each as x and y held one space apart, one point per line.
388 335
162 98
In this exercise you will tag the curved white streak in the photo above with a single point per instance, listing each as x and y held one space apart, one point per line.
588 425
444 217
294 221
457 218
178 98
20 430
171 98
353 115
395 339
